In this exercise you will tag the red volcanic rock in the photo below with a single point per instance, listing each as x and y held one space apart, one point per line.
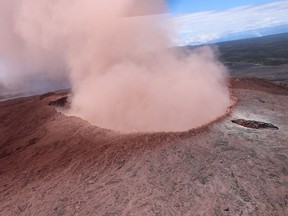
51 164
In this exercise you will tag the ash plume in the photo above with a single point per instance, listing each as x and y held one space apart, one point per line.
117 56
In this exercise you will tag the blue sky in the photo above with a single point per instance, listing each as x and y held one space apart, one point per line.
199 22
184 6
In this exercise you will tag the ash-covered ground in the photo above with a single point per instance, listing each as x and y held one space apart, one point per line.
51 164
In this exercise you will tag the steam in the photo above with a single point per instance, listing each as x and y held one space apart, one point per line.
123 71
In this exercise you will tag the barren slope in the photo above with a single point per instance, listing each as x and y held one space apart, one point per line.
51 164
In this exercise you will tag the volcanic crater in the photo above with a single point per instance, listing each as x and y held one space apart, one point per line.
52 164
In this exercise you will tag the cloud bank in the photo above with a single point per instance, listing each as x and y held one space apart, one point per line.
123 74
208 26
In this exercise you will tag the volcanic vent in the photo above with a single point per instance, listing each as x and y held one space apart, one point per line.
119 60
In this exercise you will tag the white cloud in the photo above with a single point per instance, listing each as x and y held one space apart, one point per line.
211 25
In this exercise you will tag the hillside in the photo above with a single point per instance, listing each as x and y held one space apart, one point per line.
51 164
268 50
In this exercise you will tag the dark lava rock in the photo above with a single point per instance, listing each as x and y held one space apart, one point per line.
254 124
59 103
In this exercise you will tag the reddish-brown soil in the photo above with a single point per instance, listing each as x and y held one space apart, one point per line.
51 164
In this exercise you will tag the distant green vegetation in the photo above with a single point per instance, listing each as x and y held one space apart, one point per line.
268 50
